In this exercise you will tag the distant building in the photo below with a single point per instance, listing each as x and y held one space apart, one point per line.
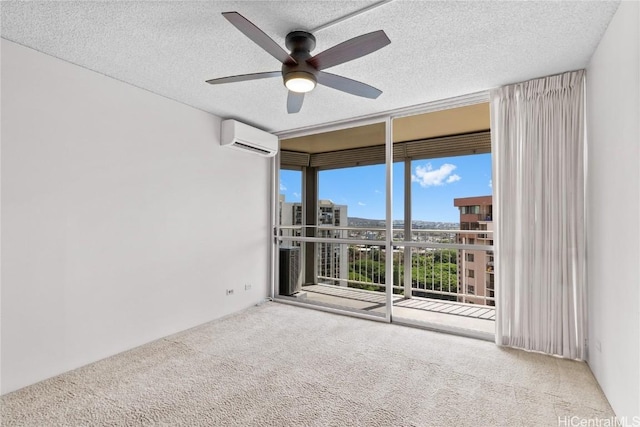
475 267
332 258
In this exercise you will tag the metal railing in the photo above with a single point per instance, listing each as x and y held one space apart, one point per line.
436 264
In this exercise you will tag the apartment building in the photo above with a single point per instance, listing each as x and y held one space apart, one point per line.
332 259
475 267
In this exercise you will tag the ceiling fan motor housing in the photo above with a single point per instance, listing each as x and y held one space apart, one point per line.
300 43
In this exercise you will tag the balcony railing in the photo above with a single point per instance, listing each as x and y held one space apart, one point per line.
435 264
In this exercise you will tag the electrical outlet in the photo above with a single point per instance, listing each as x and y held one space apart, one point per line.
247 286
229 291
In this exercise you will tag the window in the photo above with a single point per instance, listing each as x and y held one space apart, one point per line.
326 215
297 215
469 257
469 209
471 290
471 273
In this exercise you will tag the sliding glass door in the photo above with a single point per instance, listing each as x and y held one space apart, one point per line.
332 230
391 220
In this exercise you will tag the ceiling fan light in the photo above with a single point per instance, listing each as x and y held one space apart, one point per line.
300 82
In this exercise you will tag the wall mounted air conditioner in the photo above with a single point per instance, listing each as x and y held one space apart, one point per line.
235 134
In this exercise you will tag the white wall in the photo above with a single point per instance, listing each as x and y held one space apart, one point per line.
613 114
123 220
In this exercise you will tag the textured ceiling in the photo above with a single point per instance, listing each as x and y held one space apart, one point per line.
438 49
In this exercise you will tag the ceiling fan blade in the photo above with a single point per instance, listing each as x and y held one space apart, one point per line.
294 102
245 77
349 50
259 37
344 84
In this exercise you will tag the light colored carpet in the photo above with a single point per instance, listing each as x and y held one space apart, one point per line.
279 365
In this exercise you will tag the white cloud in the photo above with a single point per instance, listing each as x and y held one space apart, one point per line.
361 204
282 187
426 176
296 194
378 191
490 183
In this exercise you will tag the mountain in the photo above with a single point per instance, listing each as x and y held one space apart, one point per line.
365 223
418 224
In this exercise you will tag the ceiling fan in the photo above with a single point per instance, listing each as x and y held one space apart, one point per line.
301 71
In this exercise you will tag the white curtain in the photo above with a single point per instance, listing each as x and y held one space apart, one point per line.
538 140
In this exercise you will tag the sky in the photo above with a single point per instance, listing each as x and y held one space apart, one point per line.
435 183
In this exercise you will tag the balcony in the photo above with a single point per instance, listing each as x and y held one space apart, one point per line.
442 292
